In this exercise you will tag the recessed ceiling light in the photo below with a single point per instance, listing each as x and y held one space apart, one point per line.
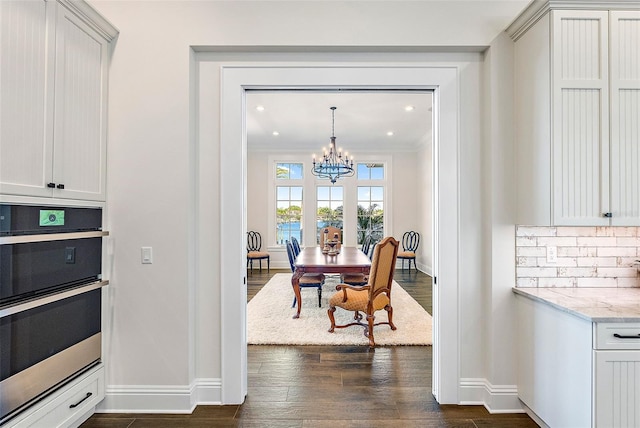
409 108
260 108
390 133
276 133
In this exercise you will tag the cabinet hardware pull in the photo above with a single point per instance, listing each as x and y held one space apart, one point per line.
51 185
89 394
60 186
619 336
608 215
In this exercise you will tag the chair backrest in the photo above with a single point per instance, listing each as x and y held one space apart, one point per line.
296 246
382 267
366 244
290 253
332 231
372 248
410 241
254 241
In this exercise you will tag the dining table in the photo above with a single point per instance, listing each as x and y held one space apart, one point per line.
313 260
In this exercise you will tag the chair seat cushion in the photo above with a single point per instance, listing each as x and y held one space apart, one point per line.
351 278
406 255
257 254
357 300
311 279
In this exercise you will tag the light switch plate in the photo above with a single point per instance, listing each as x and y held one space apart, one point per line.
147 255
552 254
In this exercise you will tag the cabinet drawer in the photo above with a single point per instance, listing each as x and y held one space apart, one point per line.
69 404
617 336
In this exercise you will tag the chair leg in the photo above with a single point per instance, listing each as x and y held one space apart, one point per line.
260 265
319 297
370 318
330 312
389 310
268 264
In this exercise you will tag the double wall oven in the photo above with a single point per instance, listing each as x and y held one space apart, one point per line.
50 299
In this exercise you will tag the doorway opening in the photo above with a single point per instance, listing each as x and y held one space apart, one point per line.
389 134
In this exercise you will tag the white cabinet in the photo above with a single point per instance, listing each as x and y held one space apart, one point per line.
66 407
624 87
53 90
576 373
617 375
577 89
554 364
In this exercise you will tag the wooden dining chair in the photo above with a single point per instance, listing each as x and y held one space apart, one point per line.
296 246
360 278
410 242
374 296
308 279
254 250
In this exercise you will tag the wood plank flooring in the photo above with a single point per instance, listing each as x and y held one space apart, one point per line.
332 386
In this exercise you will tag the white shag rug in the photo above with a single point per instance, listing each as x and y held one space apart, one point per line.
270 322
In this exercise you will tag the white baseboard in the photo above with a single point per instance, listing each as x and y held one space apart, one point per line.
161 398
496 398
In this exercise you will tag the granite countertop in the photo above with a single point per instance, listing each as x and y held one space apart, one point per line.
593 304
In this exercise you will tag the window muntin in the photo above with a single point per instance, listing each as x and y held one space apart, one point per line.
288 213
289 171
330 208
370 171
370 220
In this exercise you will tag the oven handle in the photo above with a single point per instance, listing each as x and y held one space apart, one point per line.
24 239
24 306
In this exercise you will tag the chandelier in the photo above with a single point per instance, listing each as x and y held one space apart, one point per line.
333 163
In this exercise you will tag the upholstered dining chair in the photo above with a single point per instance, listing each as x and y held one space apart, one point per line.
332 231
370 298
410 242
254 250
360 278
308 279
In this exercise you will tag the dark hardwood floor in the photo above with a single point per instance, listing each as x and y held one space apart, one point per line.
332 386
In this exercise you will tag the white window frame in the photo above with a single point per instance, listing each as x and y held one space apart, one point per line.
328 184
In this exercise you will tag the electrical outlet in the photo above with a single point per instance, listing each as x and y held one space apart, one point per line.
552 254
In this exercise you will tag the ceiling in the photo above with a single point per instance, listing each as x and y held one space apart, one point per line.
363 120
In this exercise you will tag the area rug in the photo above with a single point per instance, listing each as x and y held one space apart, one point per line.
270 322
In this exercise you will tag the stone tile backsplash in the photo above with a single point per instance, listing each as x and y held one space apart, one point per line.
585 256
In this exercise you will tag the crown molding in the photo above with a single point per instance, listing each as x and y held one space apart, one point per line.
538 8
91 17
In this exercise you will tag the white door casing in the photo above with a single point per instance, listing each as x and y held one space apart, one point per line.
234 80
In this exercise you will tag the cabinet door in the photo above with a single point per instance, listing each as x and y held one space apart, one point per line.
625 117
79 157
580 117
617 388
26 97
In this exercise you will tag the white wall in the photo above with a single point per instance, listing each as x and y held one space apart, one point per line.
424 181
406 194
152 350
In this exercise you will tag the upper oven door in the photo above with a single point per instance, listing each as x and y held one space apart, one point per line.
44 249
32 268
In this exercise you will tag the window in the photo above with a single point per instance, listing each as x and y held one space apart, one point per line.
370 212
288 171
288 213
370 171
330 202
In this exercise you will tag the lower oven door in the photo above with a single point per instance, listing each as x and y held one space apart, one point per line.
46 342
